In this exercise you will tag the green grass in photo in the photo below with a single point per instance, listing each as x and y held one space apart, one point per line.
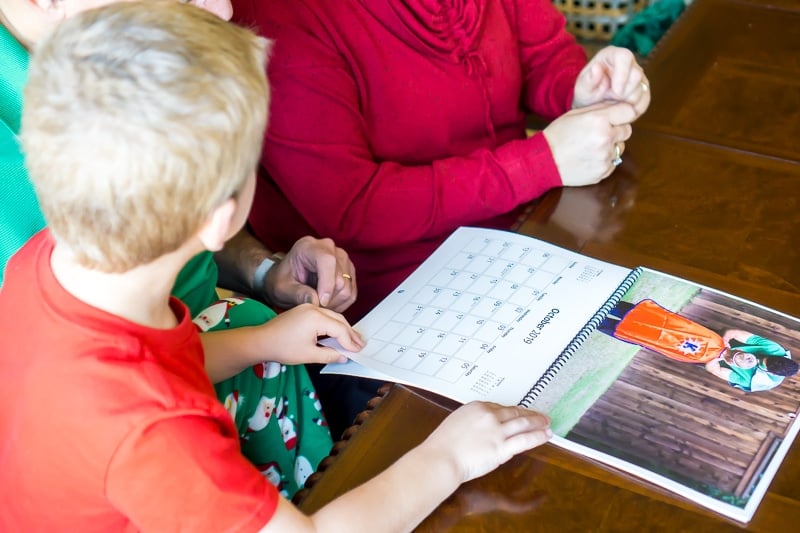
594 367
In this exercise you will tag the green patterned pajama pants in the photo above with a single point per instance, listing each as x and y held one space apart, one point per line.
281 426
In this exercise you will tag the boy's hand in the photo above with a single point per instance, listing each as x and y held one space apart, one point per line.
314 271
292 336
480 436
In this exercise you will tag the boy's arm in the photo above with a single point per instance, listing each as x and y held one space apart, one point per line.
471 442
148 475
397 499
289 338
311 272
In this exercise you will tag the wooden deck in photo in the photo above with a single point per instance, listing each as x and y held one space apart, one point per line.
681 419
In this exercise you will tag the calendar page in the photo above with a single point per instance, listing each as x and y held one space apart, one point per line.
483 317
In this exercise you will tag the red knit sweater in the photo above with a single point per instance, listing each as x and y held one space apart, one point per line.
394 122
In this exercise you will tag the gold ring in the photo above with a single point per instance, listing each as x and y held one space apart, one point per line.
347 277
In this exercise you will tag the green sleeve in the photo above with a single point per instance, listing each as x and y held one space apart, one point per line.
20 216
196 285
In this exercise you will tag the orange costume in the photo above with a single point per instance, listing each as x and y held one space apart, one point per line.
651 326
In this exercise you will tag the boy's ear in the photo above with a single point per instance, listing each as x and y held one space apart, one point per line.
49 5
55 11
216 230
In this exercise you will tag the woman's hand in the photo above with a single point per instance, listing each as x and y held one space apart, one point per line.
585 142
612 75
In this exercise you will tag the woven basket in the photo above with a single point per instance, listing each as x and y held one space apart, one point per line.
598 19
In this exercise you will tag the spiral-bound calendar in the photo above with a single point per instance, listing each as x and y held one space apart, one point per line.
652 374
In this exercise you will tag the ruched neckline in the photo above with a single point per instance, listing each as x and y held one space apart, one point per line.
449 28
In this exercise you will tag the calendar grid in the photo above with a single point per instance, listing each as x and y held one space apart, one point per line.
456 318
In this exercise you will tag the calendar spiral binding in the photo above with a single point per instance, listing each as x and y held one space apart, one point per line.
579 339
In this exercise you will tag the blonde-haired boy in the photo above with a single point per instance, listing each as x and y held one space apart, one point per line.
109 419
241 356
125 176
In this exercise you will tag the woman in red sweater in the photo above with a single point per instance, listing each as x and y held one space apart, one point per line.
395 121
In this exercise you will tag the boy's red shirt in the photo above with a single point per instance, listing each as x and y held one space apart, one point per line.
108 425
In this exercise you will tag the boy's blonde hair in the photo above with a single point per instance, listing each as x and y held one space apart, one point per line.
141 118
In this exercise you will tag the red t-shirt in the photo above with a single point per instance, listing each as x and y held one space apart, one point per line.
393 123
108 425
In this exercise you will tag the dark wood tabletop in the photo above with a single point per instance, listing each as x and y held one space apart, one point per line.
709 191
727 74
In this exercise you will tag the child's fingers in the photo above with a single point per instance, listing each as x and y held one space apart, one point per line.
505 413
329 355
336 326
512 429
523 420
514 420
525 441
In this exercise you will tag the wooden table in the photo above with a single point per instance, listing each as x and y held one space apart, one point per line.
728 75
709 191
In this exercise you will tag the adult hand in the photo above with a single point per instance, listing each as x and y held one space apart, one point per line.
314 271
612 75
584 142
480 436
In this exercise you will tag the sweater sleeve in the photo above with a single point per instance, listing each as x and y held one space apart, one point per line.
20 217
551 58
318 152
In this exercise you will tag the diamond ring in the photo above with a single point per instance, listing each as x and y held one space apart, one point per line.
617 161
